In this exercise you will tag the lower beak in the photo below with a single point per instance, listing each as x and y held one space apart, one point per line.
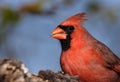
58 33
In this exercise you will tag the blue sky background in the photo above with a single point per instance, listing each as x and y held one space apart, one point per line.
30 41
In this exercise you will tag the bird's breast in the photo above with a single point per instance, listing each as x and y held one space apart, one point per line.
88 67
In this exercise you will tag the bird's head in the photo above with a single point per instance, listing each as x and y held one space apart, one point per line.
69 29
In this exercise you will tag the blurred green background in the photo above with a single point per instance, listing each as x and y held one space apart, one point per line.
25 27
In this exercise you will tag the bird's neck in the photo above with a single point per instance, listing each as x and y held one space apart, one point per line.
65 44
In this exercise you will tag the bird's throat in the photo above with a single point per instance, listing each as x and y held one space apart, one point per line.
66 43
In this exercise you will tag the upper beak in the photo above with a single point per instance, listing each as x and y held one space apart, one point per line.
58 33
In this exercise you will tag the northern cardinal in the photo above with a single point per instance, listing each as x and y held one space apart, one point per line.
83 55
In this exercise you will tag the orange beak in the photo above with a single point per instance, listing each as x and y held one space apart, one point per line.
58 33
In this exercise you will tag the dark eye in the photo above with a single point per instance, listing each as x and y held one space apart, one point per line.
70 28
67 29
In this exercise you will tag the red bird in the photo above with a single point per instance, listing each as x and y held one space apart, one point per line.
83 55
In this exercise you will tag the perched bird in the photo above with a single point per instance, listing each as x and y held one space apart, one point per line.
83 55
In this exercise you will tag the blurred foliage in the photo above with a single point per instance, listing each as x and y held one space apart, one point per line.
93 7
8 20
9 16
96 7
34 8
37 8
111 16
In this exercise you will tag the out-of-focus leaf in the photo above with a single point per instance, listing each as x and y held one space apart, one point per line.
93 7
9 16
34 8
111 15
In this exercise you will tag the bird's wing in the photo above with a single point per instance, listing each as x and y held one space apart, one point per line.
111 60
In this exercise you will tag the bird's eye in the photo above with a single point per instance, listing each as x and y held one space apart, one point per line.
67 29
70 28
